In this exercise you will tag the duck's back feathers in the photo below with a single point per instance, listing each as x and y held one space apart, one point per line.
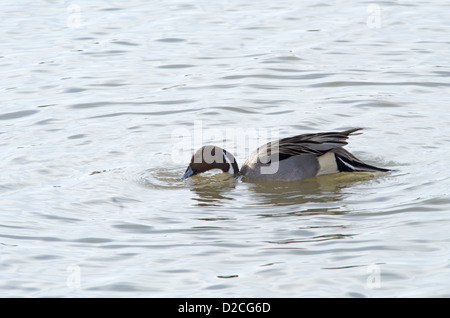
315 144
312 144
304 156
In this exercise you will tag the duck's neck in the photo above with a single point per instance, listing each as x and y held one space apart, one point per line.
229 159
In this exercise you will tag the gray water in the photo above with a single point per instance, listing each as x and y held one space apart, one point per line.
96 97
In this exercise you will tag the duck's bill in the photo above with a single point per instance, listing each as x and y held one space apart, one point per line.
189 172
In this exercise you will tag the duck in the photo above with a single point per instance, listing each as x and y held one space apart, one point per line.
288 159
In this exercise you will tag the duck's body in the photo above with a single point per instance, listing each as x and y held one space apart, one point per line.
287 159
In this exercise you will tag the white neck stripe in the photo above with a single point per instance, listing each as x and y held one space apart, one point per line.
227 160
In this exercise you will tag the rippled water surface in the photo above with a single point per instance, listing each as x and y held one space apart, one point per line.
96 97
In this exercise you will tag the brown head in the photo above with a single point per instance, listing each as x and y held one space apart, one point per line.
211 157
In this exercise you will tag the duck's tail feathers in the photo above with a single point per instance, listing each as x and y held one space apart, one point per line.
346 162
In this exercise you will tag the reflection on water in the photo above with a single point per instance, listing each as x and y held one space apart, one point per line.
214 188
317 189
211 188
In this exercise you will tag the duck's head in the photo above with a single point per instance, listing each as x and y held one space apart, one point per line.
211 157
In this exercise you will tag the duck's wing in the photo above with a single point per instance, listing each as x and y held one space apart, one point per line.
313 144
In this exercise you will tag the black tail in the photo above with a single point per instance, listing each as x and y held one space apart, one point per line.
346 162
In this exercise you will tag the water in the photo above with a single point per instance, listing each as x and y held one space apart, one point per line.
95 95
